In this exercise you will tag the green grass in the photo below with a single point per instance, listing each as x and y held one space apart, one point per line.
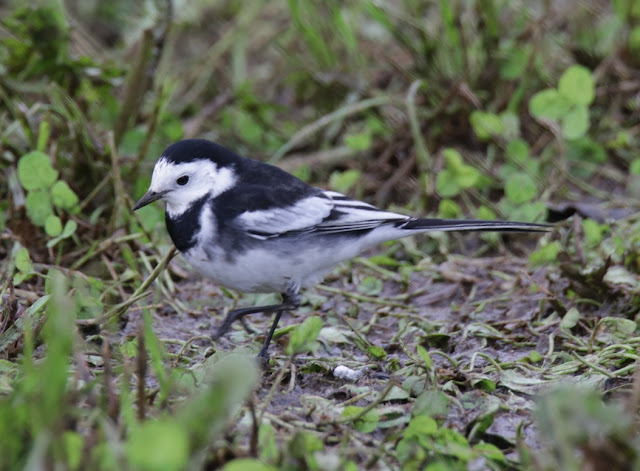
481 352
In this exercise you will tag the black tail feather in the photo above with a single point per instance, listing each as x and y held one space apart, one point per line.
416 224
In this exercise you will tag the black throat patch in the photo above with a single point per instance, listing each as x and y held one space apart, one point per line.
184 228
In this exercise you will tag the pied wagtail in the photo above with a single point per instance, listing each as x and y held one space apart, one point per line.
253 227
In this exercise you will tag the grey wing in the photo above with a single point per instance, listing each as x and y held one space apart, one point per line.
326 212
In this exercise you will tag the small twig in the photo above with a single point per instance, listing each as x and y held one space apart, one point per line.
363 298
114 275
486 357
274 386
591 365
118 186
422 154
372 405
93 192
292 379
186 345
324 158
138 294
136 86
112 399
255 429
141 367
450 359
102 246
312 128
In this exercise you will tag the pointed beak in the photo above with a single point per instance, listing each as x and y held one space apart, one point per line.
149 197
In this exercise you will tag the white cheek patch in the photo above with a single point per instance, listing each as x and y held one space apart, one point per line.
205 178
224 179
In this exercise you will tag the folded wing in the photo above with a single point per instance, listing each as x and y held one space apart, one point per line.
325 212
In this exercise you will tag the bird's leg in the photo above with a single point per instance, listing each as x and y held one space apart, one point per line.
263 355
290 300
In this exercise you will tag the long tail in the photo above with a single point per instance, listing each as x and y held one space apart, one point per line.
471 225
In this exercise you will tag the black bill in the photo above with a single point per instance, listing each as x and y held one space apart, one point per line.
149 197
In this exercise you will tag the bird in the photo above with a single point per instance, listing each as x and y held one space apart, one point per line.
253 227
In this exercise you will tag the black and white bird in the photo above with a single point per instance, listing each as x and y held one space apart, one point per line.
253 227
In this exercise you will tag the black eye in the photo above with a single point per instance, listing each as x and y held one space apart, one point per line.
183 180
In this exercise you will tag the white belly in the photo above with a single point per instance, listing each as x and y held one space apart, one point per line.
260 270
279 264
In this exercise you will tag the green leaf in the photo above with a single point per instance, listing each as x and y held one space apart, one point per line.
517 150
446 184
69 228
433 403
532 211
570 319
515 62
550 104
35 171
267 442
486 384
304 446
247 464
511 124
371 286
365 424
634 40
304 336
161 445
227 382
43 135
619 275
53 226
39 207
63 196
360 141
456 444
342 182
534 357
520 188
593 231
577 85
248 127
456 176
426 358
486 125
467 176
619 326
453 159
545 254
484 212
449 209
575 123
586 149
377 353
490 451
73 444
421 426
23 261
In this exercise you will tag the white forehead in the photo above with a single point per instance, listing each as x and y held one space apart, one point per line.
165 172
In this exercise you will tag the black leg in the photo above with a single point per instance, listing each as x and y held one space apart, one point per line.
246 326
263 355
290 301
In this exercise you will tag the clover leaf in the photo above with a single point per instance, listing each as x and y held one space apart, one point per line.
35 171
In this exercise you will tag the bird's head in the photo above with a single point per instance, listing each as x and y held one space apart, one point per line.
187 171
